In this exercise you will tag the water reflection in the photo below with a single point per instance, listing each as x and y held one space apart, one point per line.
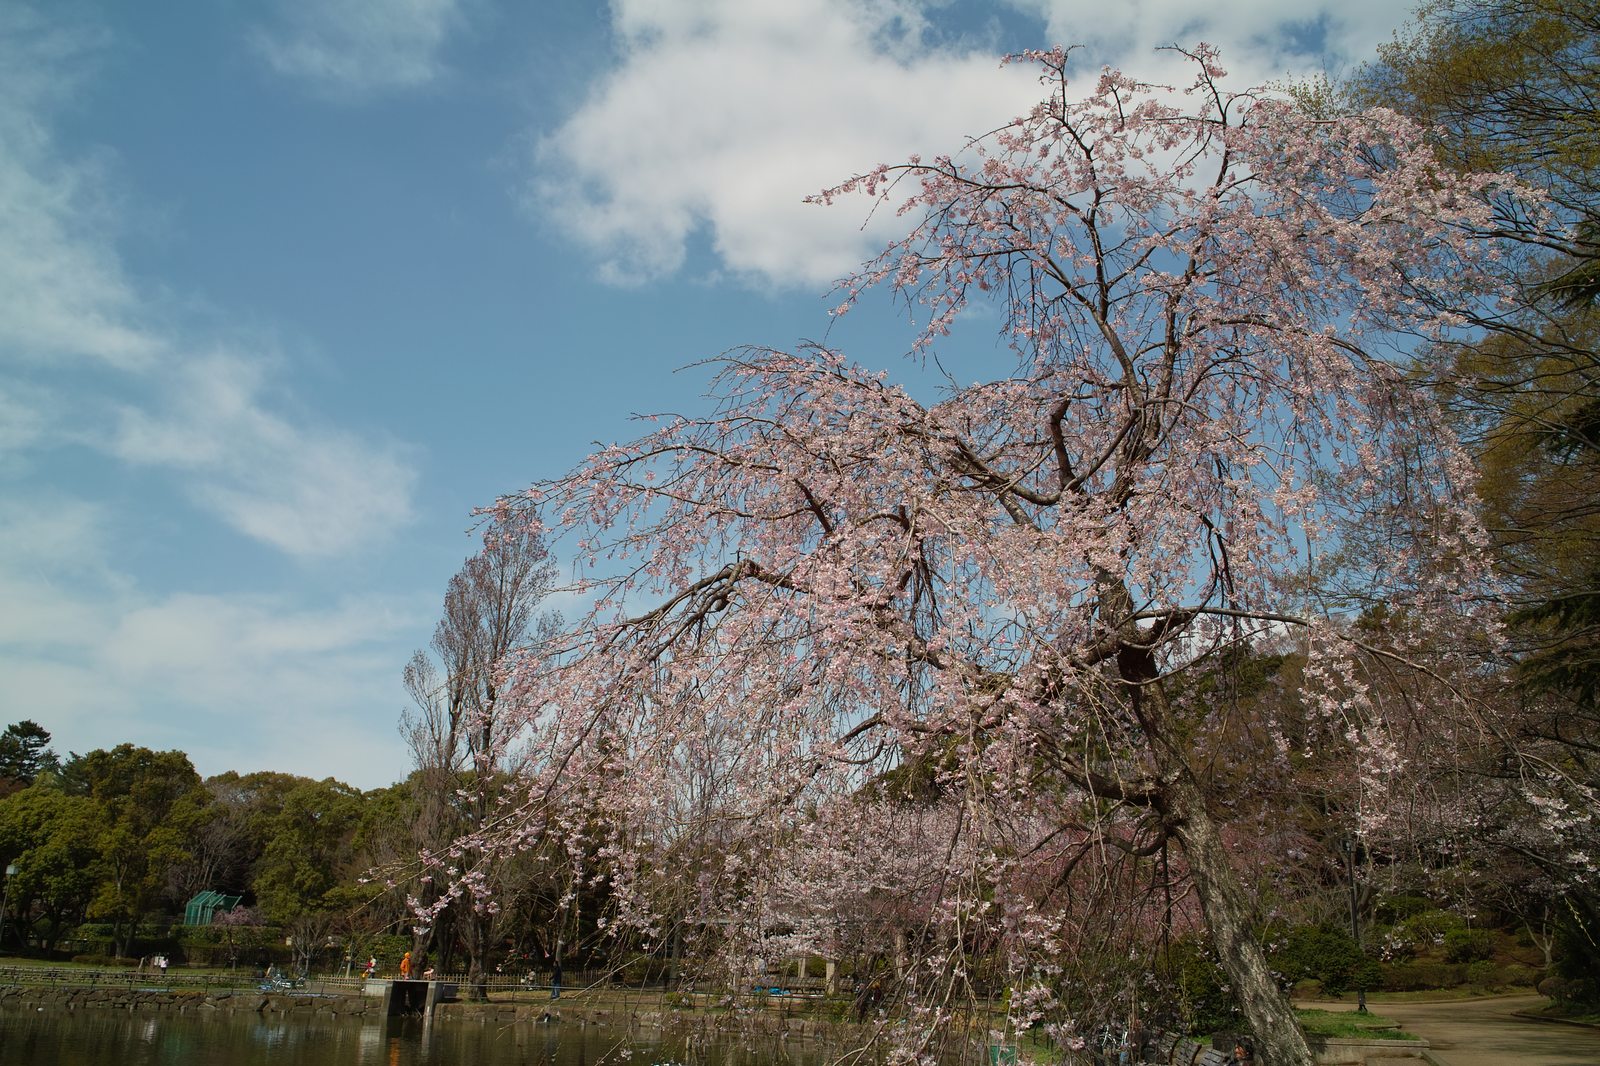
116 1038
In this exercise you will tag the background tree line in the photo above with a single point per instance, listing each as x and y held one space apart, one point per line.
123 838
110 845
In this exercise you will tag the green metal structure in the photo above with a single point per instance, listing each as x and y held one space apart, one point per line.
204 907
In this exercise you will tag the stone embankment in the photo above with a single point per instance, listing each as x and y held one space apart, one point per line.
651 1021
186 1000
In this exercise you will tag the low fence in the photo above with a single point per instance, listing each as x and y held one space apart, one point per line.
351 982
153 979
592 989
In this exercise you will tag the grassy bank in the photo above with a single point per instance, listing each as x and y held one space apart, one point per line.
1348 1025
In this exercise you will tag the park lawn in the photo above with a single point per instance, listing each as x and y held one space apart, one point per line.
1348 1025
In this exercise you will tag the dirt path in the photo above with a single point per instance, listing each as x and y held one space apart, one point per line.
1486 1032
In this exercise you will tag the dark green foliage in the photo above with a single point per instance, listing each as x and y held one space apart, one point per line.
1516 975
1200 988
1578 959
1392 910
307 838
1327 955
1514 85
1468 945
1483 974
150 805
1570 660
53 839
1422 976
642 970
24 754
1429 926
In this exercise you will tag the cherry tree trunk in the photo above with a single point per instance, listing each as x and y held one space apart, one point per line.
1279 1038
474 927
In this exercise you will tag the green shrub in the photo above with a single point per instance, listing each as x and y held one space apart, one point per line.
1516 975
93 931
1577 961
1568 993
1422 976
1391 910
1468 945
1367 975
1324 954
1429 927
1201 989
644 970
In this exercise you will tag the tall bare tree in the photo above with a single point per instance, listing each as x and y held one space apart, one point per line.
491 607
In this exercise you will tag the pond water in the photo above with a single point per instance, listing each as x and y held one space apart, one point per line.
116 1038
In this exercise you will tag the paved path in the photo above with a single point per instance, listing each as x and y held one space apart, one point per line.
1486 1032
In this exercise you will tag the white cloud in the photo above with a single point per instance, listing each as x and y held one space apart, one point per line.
238 682
40 621
279 685
54 534
63 294
305 489
239 685
359 47
721 115
727 115
26 413
203 644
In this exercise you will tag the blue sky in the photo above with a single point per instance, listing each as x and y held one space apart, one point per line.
288 288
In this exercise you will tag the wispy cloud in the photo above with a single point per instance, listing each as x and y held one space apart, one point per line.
63 293
241 450
50 545
304 488
358 48
25 418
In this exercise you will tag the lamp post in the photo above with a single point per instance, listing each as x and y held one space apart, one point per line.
1349 847
5 902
